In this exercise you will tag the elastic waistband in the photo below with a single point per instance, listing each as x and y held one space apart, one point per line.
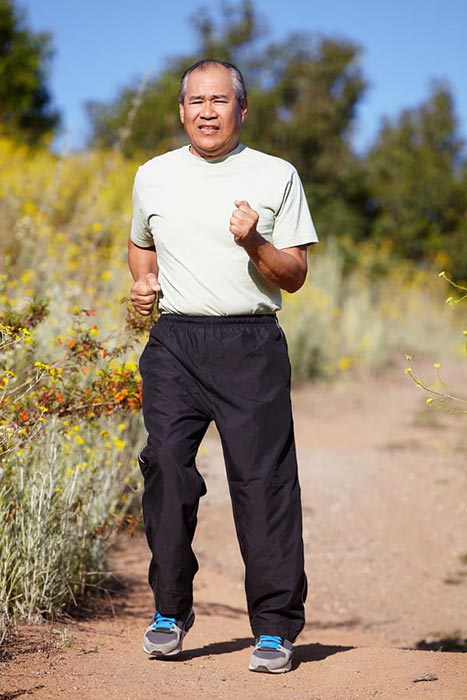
217 320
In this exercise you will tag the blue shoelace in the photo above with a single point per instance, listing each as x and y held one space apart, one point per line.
163 623
267 641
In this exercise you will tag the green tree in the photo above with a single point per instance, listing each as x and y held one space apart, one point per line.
418 172
25 101
303 108
303 94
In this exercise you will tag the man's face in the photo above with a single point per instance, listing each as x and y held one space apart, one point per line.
211 113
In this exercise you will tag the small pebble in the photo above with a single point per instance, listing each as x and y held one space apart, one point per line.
426 677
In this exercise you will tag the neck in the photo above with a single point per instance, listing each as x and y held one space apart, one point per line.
219 155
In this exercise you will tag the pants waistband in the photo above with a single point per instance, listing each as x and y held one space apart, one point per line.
218 320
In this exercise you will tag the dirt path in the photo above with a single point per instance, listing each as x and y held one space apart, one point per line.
384 482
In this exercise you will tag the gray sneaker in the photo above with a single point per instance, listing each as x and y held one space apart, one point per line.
164 636
271 655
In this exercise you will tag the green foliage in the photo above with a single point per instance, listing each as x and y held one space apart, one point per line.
25 103
417 172
302 109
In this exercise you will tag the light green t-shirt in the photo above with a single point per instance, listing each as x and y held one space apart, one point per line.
182 204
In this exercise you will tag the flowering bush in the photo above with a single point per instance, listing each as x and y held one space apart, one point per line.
87 381
70 391
367 316
439 395
68 471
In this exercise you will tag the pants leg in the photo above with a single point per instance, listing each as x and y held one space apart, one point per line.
254 418
176 423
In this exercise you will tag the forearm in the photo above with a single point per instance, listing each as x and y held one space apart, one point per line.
141 261
285 268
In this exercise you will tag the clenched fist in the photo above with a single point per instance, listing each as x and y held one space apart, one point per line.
243 223
143 293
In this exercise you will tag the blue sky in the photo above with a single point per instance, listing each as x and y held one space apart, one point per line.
102 45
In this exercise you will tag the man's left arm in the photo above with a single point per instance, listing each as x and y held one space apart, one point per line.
286 268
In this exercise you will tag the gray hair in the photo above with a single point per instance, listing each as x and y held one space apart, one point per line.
238 83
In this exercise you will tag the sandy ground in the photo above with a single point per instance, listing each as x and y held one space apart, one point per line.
384 482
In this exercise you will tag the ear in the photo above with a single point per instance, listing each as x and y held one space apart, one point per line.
181 111
243 108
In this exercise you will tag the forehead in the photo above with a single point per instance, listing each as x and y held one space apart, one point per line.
211 80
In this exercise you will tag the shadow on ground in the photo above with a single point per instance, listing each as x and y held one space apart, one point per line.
210 650
303 652
20 693
443 644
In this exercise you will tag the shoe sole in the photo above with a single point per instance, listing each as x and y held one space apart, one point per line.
175 652
266 669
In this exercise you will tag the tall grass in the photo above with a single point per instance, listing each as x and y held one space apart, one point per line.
57 516
343 319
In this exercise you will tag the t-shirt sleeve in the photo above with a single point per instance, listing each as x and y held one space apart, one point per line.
293 224
140 232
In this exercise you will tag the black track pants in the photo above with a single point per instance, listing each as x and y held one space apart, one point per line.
233 370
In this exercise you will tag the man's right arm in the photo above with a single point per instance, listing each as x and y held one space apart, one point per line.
145 270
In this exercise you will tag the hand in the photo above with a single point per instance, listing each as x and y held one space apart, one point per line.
143 293
243 223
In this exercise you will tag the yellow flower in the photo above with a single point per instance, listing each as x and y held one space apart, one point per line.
79 440
119 444
344 363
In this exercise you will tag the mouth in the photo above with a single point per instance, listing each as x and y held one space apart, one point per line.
208 128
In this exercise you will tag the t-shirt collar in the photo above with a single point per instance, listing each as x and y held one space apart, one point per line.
238 149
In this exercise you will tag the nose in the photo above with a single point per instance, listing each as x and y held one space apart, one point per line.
208 111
